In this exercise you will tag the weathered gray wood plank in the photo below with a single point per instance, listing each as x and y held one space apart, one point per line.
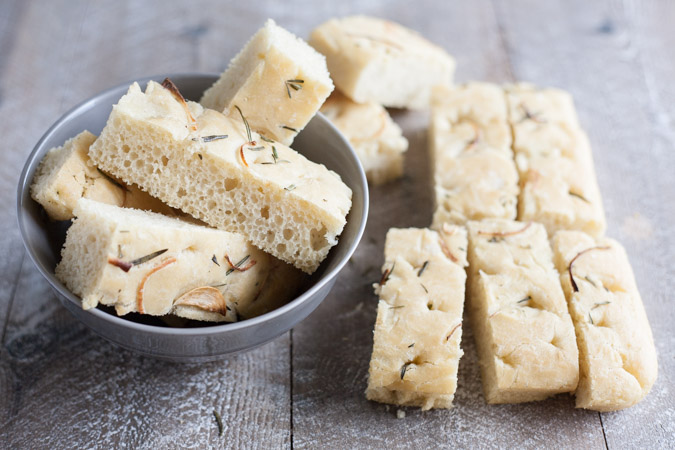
648 31
618 77
329 406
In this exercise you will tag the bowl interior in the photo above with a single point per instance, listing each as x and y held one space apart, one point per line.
319 142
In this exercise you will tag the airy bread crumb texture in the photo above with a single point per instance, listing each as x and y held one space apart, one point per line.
277 79
139 261
283 203
617 357
418 330
376 138
66 174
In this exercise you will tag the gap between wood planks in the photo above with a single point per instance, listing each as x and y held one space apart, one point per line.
11 297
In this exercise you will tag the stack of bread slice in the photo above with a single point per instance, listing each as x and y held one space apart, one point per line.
201 213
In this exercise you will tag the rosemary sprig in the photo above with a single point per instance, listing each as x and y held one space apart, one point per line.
148 257
531 116
424 267
266 139
597 305
404 368
569 268
275 157
219 421
237 266
211 138
286 127
296 85
579 196
387 273
126 266
453 331
248 128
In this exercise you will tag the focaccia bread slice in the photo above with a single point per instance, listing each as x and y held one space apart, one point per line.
212 169
418 330
553 156
375 60
524 335
143 262
617 357
66 174
277 79
470 145
376 138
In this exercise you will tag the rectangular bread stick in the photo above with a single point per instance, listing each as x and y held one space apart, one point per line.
470 143
416 348
524 334
376 60
218 170
617 357
376 138
278 79
553 156
139 261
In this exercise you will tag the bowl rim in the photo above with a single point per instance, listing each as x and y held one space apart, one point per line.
24 184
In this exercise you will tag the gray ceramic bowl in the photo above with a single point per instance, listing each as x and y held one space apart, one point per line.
319 141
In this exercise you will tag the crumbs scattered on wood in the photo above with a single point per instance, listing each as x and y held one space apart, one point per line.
219 422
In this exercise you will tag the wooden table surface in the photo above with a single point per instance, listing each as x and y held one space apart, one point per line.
62 386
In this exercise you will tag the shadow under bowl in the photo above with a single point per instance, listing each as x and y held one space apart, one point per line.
320 141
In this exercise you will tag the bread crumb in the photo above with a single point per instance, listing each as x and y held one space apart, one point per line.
400 414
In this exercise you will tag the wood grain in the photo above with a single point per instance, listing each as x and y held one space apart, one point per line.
593 51
60 385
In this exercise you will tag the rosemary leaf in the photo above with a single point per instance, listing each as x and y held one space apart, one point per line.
526 299
290 187
424 267
286 127
248 128
147 258
237 265
215 260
